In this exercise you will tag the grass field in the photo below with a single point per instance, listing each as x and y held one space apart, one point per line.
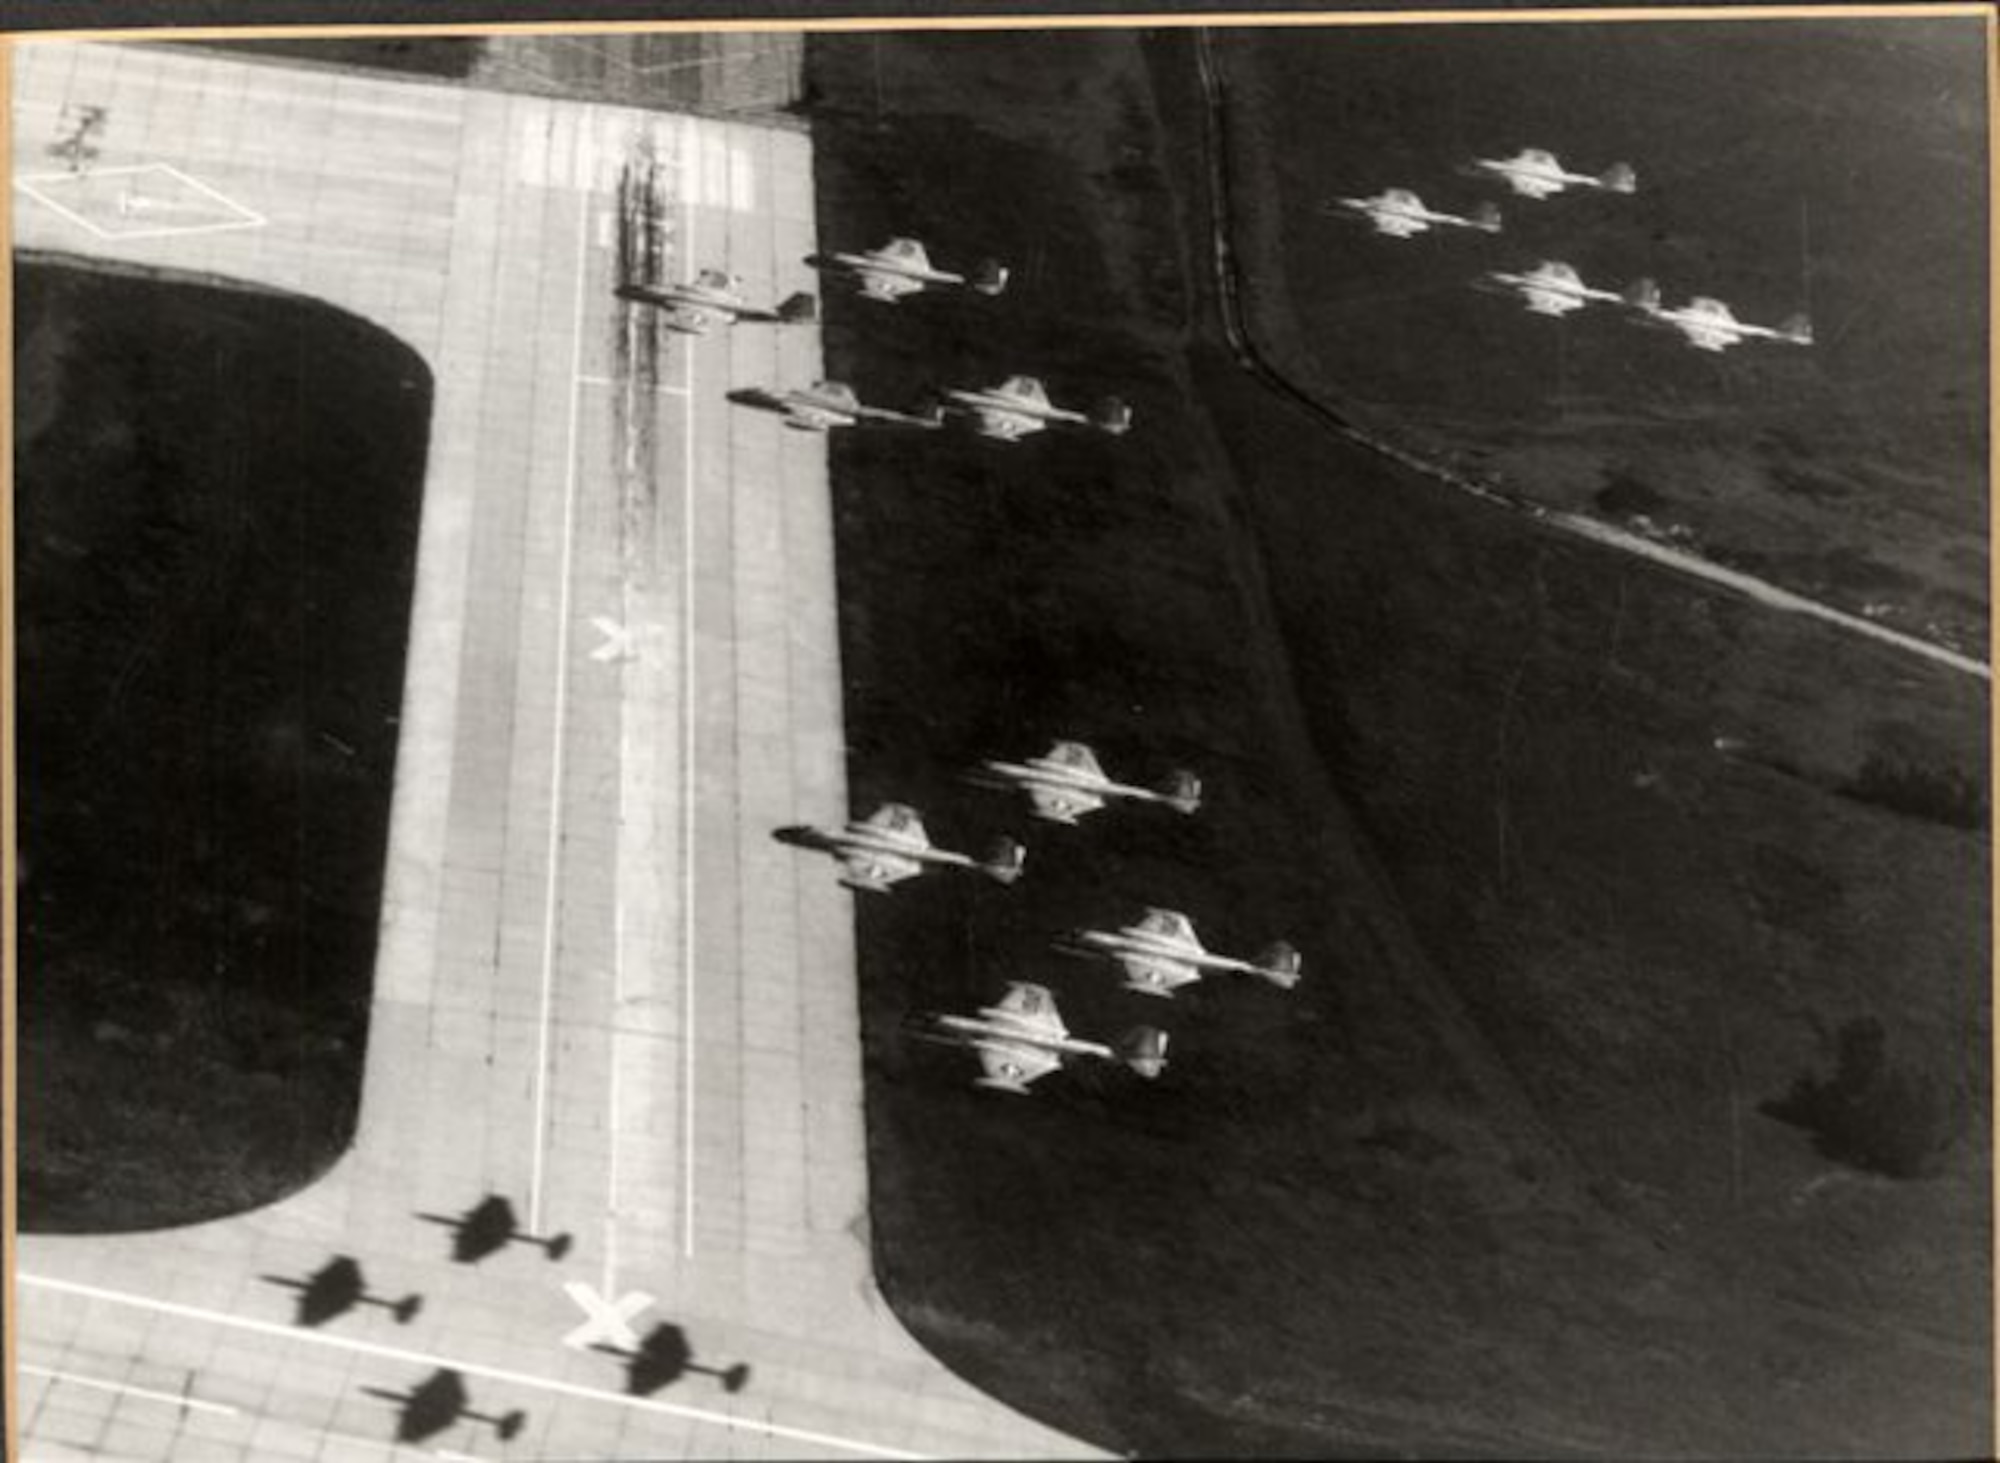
215 536
1634 1096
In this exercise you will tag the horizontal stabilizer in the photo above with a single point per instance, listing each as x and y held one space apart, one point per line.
1113 416
1642 294
1798 330
990 278
1280 965
1619 178
1004 861
799 309
1144 1050
1487 217
1182 792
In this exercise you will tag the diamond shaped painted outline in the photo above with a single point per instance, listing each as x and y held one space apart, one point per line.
37 188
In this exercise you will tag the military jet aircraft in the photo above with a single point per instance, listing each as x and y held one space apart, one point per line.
715 295
1023 1038
891 846
1708 324
1534 173
1020 406
1400 213
903 267
1067 782
1161 953
825 405
1552 288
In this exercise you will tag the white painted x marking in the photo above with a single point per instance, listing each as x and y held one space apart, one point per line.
609 1321
622 642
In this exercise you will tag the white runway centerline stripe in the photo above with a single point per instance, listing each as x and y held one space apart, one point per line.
559 757
175 1399
688 1043
469 1368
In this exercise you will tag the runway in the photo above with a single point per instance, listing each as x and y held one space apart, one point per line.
604 993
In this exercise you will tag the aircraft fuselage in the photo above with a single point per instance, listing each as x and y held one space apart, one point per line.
1050 774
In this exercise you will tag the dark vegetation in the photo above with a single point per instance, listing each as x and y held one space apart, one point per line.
1560 835
1873 1114
215 534
1828 167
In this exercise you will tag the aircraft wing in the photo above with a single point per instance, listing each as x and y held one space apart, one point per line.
877 870
909 253
1152 972
1024 391
1075 757
999 422
901 822
1169 924
1708 337
1031 1010
1062 804
1013 1064
1547 301
885 286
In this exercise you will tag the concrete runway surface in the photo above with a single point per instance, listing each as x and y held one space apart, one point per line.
603 992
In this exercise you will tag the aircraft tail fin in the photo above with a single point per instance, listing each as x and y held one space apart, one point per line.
1619 178
1487 217
1798 330
990 277
405 1310
1144 1050
799 309
1112 415
1279 963
1182 792
1642 294
1004 861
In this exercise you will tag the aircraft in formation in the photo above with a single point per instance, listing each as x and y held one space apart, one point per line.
715 296
891 845
903 267
1067 782
1020 406
825 405
1023 1039
1709 324
1401 214
1553 287
1162 953
1533 172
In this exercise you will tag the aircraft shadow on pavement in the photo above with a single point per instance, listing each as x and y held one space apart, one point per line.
440 1401
336 1288
489 1227
664 1357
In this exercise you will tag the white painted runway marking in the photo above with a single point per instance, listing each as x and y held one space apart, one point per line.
609 1321
687 751
629 385
558 760
623 642
175 1399
468 1368
41 186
